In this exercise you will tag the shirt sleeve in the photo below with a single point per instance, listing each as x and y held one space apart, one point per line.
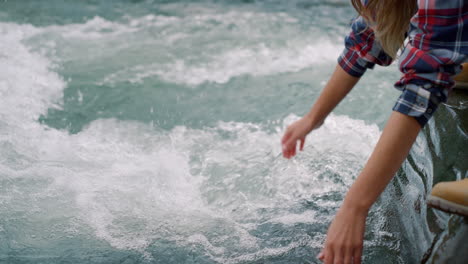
362 51
437 45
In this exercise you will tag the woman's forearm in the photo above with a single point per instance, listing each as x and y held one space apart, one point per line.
337 88
391 150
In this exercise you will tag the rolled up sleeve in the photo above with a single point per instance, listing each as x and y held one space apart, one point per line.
420 101
362 51
437 45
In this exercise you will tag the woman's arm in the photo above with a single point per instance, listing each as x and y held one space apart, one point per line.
345 235
361 52
391 150
428 62
336 89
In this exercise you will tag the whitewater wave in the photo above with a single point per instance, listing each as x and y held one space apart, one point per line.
247 45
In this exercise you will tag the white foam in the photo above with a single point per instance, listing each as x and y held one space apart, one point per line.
292 219
261 254
261 51
93 29
27 86
259 60
259 48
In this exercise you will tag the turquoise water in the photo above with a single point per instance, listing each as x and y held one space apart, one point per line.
148 132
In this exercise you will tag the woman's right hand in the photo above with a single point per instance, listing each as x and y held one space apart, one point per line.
295 132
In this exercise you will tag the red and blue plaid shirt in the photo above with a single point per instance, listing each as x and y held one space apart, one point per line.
437 44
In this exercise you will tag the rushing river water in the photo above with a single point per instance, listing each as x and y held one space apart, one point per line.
148 132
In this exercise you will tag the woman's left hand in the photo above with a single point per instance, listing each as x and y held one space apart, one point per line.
345 237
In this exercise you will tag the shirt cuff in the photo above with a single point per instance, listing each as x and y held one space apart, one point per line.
420 101
351 63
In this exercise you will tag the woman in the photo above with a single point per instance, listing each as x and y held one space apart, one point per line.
437 33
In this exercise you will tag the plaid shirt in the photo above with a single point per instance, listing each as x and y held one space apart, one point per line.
437 45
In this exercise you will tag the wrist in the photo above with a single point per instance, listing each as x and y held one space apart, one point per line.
313 121
356 204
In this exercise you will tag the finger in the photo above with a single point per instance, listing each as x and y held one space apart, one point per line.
357 255
285 151
348 256
291 150
290 141
286 136
302 144
286 148
321 256
290 146
328 256
294 148
338 257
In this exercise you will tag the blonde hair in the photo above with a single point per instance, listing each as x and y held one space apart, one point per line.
389 19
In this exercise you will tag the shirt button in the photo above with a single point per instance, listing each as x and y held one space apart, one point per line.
429 110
